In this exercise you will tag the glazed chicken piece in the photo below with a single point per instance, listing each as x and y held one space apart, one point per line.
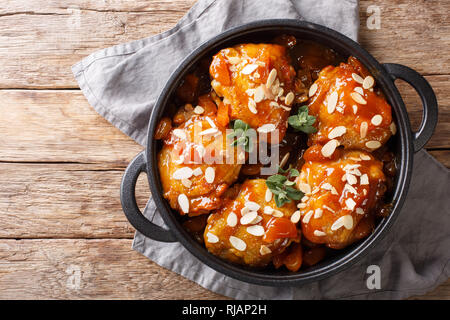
256 82
340 193
348 109
197 163
250 230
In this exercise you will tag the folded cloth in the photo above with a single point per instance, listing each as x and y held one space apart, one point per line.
122 83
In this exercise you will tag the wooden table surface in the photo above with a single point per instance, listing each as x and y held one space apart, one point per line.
63 233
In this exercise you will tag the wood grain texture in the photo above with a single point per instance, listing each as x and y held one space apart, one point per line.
97 269
412 32
53 36
107 269
64 201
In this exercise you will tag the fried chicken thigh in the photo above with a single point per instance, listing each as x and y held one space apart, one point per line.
197 163
340 193
250 229
256 82
348 109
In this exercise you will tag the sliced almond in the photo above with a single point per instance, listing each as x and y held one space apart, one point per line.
350 204
259 94
295 217
368 82
351 179
350 189
268 196
250 68
183 202
376 120
301 205
277 213
234 60
182 173
357 78
355 109
289 98
199 110
248 218
232 219
332 102
264 250
319 233
313 89
238 243
318 213
197 171
358 98
363 129
208 132
307 216
244 211
271 78
268 210
186 182
373 144
265 128
304 187
359 90
393 128
211 123
337 132
257 231
252 106
212 238
344 221
364 180
258 219
329 148
253 206
365 157
328 208
359 211
210 174
305 198
179 133
284 160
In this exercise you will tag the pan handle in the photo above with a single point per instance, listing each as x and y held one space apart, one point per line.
429 101
129 205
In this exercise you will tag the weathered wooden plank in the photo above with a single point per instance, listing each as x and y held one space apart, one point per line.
64 201
97 269
52 36
411 32
440 293
443 156
57 126
87 269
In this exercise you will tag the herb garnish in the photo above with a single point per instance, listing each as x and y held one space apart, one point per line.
303 121
244 135
281 186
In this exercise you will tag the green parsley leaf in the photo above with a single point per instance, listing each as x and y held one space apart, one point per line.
282 188
303 121
244 135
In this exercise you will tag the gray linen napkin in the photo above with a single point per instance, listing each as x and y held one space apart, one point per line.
122 83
